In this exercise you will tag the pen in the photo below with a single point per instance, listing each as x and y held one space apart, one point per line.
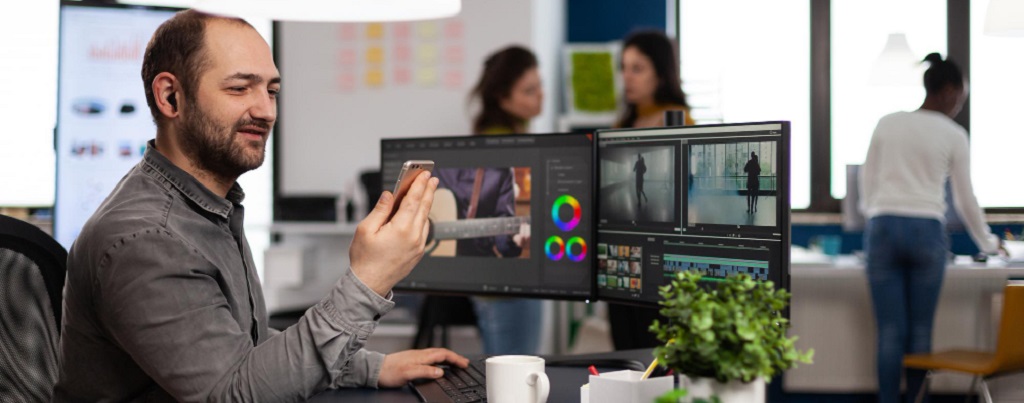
650 368
593 371
654 364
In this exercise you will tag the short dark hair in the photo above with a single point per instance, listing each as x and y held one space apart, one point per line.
177 48
941 73
662 51
502 70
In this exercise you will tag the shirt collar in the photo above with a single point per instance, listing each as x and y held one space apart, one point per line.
189 186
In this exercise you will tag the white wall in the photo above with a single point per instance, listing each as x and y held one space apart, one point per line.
28 107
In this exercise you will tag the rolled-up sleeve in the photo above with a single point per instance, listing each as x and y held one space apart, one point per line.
163 303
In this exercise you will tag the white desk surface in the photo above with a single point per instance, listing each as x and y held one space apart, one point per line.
831 312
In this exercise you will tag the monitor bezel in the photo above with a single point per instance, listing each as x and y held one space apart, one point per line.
784 201
592 286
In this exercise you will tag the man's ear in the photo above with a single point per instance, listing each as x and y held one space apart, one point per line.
167 94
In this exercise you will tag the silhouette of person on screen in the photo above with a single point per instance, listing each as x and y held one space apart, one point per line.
753 170
640 168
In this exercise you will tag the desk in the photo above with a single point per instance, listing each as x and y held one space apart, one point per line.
831 312
565 382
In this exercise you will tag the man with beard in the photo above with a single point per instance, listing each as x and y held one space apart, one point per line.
162 301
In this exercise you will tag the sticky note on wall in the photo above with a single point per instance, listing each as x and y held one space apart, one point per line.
374 55
347 32
426 30
346 82
402 75
402 53
426 77
347 57
453 79
402 30
453 30
374 30
426 54
453 54
374 78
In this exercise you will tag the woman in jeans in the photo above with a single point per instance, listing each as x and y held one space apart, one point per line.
902 187
510 94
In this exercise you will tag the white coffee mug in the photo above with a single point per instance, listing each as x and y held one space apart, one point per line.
517 379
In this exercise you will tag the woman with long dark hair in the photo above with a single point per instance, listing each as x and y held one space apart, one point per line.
650 74
509 93
902 187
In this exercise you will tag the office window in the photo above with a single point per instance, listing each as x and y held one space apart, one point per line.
749 60
860 30
28 109
996 135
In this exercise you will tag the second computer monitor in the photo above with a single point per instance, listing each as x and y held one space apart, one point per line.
709 198
512 215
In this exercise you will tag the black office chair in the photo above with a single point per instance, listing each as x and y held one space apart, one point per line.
32 269
372 187
285 319
442 312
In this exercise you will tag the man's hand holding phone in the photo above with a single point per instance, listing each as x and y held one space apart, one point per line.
391 239
410 170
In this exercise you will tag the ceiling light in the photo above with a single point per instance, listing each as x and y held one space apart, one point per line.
334 10
896 66
1005 18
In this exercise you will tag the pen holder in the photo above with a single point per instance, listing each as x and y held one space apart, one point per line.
625 387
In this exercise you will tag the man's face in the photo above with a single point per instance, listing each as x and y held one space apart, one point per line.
226 126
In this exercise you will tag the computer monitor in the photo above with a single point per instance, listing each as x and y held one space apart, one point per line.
530 232
711 198
103 122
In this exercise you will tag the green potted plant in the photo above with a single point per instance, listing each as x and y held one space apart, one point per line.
727 338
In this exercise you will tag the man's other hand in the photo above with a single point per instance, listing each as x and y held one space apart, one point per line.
402 367
384 252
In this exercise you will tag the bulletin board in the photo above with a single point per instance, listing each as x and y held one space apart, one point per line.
346 85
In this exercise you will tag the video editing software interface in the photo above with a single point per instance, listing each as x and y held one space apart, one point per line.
512 214
708 198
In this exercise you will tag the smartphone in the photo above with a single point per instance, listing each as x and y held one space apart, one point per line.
410 170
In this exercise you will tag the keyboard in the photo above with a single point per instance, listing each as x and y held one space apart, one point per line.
456 386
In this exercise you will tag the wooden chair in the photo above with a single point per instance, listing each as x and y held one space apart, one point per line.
1008 357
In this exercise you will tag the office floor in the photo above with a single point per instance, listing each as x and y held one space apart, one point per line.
658 201
731 210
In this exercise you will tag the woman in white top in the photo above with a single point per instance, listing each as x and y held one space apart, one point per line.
902 189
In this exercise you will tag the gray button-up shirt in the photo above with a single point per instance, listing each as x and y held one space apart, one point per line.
162 302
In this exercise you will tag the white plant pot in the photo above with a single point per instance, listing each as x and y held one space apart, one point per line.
729 392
